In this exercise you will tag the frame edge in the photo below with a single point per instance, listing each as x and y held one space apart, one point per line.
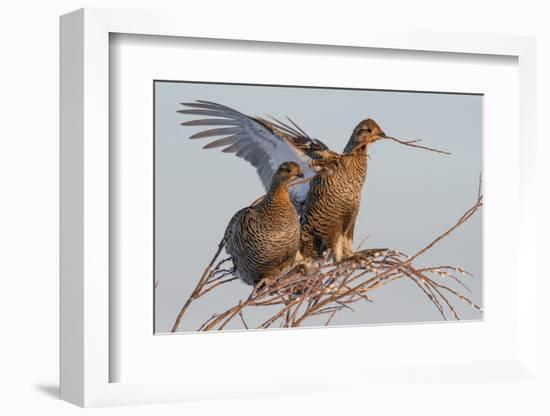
71 221
82 382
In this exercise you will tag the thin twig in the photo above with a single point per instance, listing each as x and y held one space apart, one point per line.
411 143
200 284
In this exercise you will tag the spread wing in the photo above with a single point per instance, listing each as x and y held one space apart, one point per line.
264 143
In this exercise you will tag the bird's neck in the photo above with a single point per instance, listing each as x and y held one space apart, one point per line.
353 147
357 161
357 151
277 195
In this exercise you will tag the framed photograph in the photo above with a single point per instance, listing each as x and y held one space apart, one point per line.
285 212
287 261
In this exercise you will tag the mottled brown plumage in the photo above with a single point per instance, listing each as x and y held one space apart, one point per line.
263 239
332 204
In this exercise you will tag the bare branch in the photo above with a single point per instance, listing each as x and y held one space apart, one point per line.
412 144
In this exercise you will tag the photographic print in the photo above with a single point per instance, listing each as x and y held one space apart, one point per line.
295 206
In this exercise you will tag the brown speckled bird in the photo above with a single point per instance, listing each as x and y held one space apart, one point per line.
263 239
329 204
332 204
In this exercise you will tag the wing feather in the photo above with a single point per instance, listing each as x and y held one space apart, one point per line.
220 142
216 132
210 122
263 143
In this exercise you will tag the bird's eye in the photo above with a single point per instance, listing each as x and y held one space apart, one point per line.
369 131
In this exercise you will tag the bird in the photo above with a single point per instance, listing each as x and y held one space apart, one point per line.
263 239
332 205
329 202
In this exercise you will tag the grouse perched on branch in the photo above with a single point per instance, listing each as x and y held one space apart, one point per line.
332 204
263 239
329 203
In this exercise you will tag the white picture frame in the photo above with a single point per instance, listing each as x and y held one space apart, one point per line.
86 261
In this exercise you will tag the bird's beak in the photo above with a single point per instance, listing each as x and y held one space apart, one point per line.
300 175
381 136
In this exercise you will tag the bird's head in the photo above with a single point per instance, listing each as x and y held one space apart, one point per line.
287 172
365 133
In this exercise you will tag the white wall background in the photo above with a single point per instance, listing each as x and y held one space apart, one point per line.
29 207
